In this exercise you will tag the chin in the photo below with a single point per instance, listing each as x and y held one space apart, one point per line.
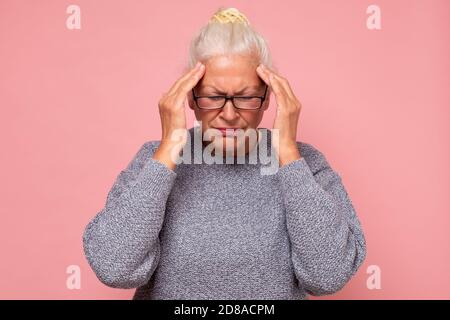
230 145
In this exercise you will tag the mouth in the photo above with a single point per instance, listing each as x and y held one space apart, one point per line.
229 131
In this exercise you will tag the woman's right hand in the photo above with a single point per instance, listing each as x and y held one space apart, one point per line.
172 112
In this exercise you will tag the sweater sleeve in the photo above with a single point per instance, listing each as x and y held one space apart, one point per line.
121 243
327 241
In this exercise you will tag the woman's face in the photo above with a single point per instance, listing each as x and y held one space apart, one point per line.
231 75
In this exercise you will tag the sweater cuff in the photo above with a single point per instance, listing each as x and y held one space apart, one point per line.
295 173
157 178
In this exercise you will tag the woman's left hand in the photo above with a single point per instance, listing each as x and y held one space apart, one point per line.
284 137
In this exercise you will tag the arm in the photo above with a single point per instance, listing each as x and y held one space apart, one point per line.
121 242
327 242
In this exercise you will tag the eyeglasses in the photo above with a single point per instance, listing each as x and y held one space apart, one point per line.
239 102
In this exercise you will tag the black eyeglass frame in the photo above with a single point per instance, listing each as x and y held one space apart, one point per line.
263 98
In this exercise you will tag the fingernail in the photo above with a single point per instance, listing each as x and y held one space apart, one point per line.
197 64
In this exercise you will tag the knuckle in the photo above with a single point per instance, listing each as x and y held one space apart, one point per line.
162 103
185 87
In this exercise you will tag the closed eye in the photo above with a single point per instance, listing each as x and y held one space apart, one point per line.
249 96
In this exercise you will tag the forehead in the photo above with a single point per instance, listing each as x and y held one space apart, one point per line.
230 73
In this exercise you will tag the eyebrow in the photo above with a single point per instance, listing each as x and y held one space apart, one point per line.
237 92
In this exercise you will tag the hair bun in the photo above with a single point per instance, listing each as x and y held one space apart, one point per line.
229 15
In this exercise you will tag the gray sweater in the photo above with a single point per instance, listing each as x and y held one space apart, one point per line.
225 231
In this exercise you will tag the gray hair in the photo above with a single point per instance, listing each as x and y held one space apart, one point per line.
228 32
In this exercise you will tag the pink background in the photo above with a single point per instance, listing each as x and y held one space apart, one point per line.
76 105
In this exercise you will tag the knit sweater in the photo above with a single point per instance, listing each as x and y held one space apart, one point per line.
226 231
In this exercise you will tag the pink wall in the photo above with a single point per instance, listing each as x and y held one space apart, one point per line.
77 104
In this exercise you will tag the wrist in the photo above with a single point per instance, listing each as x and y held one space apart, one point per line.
288 154
167 153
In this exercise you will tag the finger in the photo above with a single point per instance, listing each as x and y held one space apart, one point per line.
286 86
263 75
190 82
186 76
186 86
284 83
278 90
274 84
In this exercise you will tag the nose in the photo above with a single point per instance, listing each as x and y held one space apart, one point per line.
229 112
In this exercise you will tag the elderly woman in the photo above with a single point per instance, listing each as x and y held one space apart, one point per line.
223 230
